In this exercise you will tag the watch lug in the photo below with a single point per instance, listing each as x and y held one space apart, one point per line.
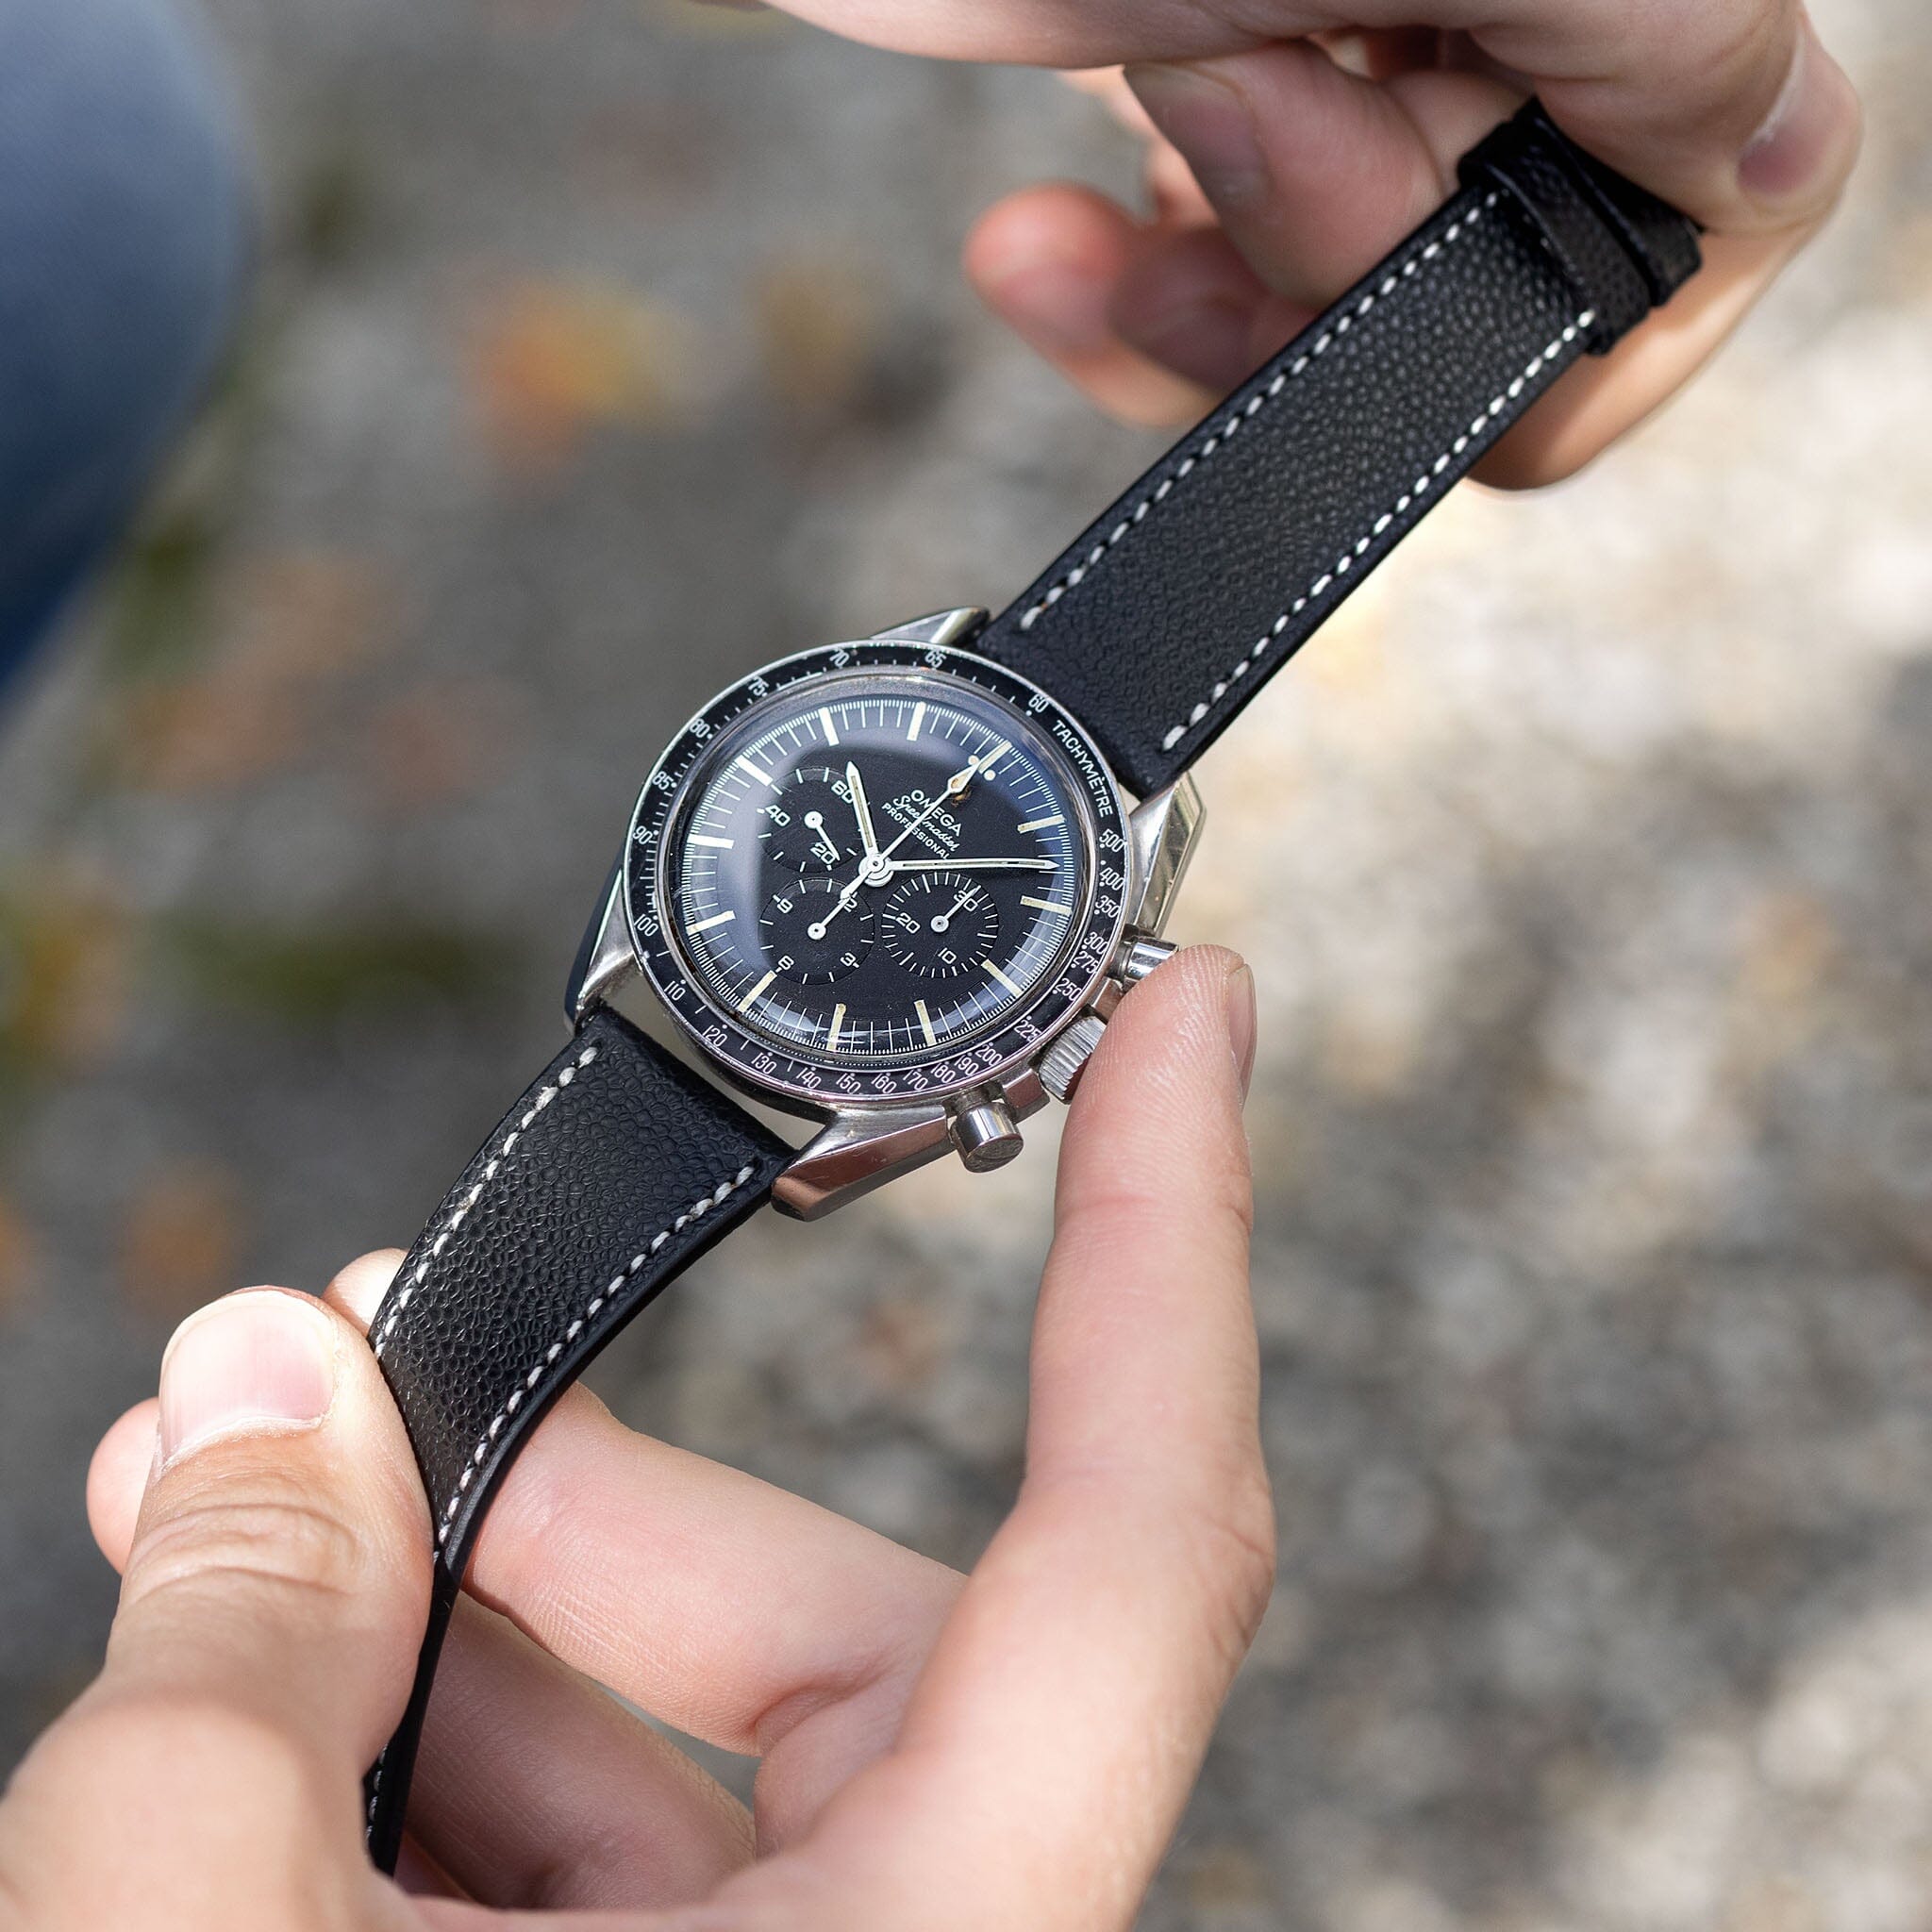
857 1152
605 958
942 628
1162 831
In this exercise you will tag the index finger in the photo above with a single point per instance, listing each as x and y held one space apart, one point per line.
1729 108
1054 1737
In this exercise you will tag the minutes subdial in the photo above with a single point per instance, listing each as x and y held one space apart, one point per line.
940 924
800 948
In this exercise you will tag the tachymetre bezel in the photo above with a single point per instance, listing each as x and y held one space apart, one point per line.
818 1084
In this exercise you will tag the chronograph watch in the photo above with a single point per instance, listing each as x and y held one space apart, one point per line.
878 900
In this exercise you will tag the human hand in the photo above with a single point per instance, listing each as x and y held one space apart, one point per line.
1290 144
1011 1748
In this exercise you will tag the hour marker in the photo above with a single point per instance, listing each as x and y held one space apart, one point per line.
1001 977
705 839
746 765
994 756
1040 825
755 990
925 1022
918 718
832 1032
831 729
1043 904
705 924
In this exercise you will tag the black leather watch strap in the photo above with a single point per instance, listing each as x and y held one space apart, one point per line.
1173 610
615 1171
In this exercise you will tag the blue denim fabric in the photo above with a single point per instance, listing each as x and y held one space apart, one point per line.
123 250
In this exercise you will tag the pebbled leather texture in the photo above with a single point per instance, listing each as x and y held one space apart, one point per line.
1177 606
613 1171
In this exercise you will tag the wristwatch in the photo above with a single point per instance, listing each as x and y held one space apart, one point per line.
895 887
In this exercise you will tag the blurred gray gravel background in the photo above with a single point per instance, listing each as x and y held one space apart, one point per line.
608 348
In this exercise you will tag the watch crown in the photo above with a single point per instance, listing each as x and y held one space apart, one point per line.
1065 1060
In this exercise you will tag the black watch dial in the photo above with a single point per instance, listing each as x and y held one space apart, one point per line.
880 871
892 875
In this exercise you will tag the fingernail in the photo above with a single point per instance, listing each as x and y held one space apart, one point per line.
1210 123
1803 133
1241 1024
1061 307
256 1360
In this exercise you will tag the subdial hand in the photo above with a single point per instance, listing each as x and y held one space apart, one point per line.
942 921
822 840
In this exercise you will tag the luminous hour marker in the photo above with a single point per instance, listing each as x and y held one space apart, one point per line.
832 1032
716 919
918 718
1001 977
994 756
1040 825
705 839
755 990
746 765
1043 904
925 1022
831 729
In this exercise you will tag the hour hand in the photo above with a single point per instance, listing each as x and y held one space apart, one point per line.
861 811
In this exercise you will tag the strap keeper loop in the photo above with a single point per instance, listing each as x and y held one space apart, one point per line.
1624 251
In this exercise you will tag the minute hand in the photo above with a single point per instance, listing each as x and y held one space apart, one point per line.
975 865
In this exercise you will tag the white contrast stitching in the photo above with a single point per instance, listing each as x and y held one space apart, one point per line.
1349 558
462 1209
703 1205
1429 252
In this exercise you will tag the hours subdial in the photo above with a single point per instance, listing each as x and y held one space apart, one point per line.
940 924
810 827
785 927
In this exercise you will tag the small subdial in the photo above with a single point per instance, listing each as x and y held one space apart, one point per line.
940 924
810 827
786 926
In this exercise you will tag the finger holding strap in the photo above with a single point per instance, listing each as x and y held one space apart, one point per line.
537 1788
276 1586
745 1615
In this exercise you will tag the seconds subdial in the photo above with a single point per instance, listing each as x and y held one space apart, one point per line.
940 924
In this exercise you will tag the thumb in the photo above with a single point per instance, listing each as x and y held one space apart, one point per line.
1732 109
270 1612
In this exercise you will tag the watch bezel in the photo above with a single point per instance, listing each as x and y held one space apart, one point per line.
764 1066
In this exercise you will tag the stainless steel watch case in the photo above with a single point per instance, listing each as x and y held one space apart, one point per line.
861 1145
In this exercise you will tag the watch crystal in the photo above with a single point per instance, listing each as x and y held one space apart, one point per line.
878 872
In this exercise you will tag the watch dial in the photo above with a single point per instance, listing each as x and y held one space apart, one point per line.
876 870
